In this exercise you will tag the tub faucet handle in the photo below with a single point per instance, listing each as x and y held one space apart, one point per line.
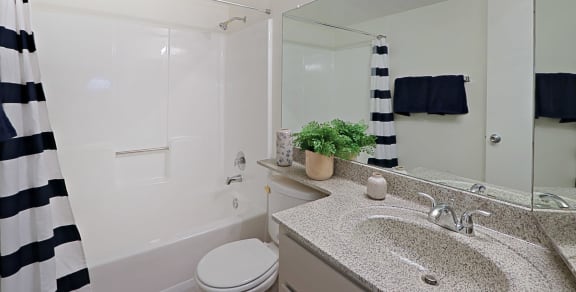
240 160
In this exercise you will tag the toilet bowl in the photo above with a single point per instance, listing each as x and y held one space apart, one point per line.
251 265
244 265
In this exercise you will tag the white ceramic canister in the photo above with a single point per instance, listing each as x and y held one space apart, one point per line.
284 147
377 186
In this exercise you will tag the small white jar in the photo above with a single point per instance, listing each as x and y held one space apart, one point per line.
376 187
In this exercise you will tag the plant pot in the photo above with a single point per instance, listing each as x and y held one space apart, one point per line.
318 166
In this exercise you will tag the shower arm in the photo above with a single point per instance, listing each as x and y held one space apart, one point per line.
243 19
224 25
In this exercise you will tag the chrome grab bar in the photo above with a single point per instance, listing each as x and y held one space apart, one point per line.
135 151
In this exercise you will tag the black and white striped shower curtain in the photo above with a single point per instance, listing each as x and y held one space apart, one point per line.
381 116
40 247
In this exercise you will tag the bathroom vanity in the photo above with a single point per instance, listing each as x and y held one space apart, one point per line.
350 242
301 270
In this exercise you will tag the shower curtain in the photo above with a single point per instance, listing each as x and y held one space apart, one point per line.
381 116
40 247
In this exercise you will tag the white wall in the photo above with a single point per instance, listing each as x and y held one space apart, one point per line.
555 143
116 84
308 85
200 14
278 7
245 107
140 74
324 71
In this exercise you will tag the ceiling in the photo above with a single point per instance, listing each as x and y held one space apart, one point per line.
349 12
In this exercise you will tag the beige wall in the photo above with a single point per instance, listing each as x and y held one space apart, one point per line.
555 143
440 39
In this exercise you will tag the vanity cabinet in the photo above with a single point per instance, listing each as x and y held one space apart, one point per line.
301 271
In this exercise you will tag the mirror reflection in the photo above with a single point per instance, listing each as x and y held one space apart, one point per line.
327 74
555 126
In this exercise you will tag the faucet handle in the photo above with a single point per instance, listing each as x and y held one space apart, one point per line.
478 189
467 216
468 223
427 196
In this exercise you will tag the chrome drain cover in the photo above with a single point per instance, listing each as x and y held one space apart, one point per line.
430 280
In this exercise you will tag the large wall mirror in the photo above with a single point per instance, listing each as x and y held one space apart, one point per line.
326 68
555 129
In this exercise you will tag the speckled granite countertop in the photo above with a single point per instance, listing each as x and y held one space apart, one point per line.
317 226
561 229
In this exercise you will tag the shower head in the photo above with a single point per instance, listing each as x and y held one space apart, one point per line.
224 25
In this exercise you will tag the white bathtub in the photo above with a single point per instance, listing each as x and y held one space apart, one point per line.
161 254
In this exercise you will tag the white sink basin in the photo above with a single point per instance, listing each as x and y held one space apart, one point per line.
418 249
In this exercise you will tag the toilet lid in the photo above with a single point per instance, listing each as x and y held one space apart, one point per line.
236 263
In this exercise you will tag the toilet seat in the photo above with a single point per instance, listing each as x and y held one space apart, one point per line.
261 284
245 265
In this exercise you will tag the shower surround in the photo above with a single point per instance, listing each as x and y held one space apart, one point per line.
121 80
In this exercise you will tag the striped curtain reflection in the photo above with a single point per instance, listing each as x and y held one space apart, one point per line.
40 247
381 116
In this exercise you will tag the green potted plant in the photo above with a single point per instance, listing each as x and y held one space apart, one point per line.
323 141
355 139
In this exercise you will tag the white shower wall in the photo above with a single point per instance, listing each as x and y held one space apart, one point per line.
246 104
119 81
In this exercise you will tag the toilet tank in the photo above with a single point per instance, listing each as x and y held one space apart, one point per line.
284 194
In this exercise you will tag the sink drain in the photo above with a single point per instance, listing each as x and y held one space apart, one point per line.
430 280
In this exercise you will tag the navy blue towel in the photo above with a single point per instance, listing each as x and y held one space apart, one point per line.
447 95
6 129
556 96
411 95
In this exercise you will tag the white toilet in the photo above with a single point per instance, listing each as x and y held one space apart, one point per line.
250 264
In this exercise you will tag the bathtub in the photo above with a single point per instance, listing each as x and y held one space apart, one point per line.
162 254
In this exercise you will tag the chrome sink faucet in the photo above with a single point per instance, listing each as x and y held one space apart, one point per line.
442 214
547 197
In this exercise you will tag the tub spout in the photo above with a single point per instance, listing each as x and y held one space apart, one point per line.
231 179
